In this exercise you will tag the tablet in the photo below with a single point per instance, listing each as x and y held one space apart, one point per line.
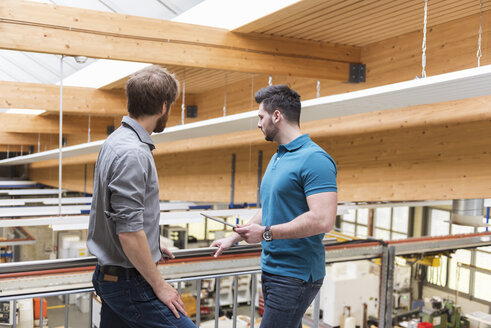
219 220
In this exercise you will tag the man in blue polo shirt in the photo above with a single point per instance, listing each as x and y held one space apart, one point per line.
299 202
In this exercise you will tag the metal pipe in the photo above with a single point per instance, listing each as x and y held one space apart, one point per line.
383 287
390 286
60 137
91 308
236 294
46 294
198 302
15 314
41 312
27 266
67 297
217 301
232 182
253 299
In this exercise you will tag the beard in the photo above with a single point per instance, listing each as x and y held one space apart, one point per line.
162 121
269 135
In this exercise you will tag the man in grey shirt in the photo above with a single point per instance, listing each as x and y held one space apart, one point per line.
124 218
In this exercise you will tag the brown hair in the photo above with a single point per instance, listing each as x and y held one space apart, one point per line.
280 97
148 89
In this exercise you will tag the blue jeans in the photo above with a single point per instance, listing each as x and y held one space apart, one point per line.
131 302
286 299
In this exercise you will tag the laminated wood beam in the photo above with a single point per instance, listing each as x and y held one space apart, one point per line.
13 149
75 100
32 139
54 29
49 124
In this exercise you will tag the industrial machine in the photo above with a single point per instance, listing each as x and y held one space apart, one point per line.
6 313
444 314
178 235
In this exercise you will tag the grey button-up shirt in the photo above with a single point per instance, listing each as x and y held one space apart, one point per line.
126 194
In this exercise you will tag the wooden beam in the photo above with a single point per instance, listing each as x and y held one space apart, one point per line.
30 139
138 27
14 149
75 100
49 124
53 29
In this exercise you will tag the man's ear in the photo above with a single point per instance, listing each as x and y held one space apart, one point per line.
276 116
165 108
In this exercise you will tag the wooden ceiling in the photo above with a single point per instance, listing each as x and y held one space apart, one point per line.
197 79
289 36
360 22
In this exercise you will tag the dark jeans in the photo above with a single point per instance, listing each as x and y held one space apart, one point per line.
286 299
131 302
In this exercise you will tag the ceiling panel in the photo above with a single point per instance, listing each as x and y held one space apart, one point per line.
360 22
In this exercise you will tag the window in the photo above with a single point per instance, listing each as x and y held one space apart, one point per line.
464 266
459 277
439 222
483 277
391 223
355 222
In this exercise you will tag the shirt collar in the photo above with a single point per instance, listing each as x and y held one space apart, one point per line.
296 143
139 130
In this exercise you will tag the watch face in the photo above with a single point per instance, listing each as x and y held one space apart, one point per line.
267 235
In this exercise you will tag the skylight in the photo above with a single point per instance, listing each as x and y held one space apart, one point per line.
230 14
22 111
102 72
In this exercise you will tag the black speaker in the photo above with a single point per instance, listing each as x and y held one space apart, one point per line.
191 111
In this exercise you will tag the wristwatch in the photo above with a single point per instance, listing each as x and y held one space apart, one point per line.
267 235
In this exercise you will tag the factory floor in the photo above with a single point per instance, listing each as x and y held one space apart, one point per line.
56 315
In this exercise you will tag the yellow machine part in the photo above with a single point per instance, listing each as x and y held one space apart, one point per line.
433 260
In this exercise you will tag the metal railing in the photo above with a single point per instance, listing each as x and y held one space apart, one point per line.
352 251
179 282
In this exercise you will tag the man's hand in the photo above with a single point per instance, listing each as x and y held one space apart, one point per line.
223 244
250 232
165 252
135 246
170 297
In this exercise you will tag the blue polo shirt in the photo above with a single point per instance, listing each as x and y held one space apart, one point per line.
298 169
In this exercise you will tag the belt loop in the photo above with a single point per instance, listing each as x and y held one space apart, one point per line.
127 273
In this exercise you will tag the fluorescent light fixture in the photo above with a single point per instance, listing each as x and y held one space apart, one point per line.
470 83
229 14
102 72
22 111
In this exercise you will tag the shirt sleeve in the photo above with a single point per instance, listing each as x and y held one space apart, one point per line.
127 187
319 174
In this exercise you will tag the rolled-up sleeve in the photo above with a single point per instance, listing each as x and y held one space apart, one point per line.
127 191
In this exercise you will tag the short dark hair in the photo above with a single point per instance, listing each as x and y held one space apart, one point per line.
280 97
148 89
